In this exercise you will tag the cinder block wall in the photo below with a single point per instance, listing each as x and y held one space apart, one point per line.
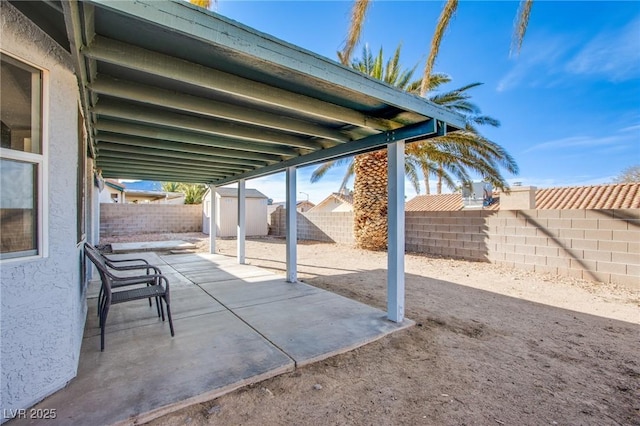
129 219
326 226
317 226
598 245
460 234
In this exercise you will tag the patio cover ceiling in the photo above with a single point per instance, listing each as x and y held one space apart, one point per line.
173 92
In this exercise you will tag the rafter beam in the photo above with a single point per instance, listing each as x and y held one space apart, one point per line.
107 148
105 85
154 63
165 177
262 139
137 166
124 157
238 157
275 153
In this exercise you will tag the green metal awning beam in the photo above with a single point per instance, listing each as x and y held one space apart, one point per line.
227 155
213 127
106 149
105 85
209 165
137 168
139 59
251 150
111 164
412 133
153 176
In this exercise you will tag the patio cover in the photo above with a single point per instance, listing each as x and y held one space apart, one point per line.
174 92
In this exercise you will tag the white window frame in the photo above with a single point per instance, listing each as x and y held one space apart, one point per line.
41 161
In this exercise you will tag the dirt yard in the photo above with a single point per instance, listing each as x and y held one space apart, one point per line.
491 346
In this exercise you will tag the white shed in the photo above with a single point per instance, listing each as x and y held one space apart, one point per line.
227 212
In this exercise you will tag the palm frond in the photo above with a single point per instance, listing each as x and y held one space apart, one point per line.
448 11
520 26
348 174
358 13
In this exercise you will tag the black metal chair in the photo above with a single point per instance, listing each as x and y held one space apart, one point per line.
157 286
113 264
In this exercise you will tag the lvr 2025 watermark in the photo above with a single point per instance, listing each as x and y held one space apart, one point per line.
32 413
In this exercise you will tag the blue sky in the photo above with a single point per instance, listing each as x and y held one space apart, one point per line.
569 104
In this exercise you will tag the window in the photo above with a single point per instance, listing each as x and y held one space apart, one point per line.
21 159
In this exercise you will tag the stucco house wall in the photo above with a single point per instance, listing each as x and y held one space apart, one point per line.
42 299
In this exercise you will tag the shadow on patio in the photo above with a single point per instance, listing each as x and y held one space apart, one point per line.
235 325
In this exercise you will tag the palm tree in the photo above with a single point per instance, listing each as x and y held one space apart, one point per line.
450 158
193 192
359 12
171 187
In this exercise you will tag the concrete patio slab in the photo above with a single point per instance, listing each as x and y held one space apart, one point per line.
240 293
234 325
318 325
144 372
151 246
186 302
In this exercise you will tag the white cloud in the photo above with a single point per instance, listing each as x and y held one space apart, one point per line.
622 137
613 55
635 128
548 60
572 142
538 60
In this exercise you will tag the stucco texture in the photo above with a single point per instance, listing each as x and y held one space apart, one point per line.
42 299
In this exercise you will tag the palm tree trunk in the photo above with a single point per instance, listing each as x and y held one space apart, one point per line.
439 187
426 172
370 198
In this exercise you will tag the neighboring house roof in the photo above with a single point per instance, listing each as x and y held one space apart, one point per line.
233 192
613 196
305 202
433 203
336 196
115 184
153 194
343 197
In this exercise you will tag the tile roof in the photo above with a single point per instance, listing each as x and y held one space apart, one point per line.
440 202
612 196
